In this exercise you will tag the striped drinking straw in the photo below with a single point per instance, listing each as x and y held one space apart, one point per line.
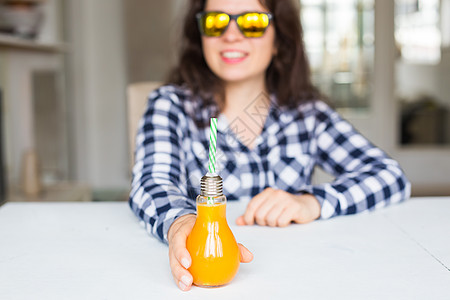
212 150
212 146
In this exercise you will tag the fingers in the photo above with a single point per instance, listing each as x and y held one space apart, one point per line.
180 260
179 257
245 254
180 252
264 209
285 218
182 277
274 207
240 221
277 216
254 205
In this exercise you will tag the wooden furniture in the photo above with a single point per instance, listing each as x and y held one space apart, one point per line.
137 102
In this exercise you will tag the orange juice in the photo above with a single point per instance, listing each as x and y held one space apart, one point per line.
213 248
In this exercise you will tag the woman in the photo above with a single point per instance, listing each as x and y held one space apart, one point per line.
244 62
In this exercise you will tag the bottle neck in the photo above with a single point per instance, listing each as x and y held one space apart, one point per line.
211 202
211 212
211 185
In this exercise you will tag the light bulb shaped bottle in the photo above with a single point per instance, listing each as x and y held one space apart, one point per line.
211 244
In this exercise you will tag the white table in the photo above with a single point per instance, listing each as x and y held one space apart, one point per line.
98 251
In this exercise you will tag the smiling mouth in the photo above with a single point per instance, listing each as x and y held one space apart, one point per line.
233 54
233 57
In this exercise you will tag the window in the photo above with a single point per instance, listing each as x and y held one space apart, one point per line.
417 31
422 72
339 40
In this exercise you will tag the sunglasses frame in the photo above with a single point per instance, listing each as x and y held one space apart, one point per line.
234 17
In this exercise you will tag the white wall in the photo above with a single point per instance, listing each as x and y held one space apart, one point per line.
97 83
51 31
418 79
151 33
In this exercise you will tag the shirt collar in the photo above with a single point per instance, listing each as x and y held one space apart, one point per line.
277 118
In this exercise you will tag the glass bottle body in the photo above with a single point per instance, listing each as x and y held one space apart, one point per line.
213 248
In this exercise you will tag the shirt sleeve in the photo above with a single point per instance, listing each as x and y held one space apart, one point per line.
158 195
365 177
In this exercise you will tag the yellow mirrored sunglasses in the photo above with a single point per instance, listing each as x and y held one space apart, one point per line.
251 24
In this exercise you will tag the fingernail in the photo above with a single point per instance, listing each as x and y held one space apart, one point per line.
185 262
182 285
185 280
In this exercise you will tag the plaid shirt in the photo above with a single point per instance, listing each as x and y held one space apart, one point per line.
172 155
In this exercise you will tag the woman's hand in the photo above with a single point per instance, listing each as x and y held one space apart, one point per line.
274 208
179 257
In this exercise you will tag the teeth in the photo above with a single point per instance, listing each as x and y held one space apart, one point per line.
233 54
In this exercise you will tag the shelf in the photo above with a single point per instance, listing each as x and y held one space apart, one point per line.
61 192
8 41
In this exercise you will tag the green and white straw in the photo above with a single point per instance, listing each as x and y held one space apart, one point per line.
212 146
212 152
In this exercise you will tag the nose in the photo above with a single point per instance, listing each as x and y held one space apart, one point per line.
232 34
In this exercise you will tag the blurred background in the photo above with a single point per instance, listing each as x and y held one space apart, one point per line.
65 66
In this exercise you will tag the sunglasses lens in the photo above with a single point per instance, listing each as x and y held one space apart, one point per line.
214 24
253 24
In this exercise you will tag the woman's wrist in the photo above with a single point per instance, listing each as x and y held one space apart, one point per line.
310 208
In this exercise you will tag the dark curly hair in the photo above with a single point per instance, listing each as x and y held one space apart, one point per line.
288 75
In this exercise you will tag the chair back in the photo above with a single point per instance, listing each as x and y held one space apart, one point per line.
137 94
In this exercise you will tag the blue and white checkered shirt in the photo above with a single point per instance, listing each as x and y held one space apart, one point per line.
172 155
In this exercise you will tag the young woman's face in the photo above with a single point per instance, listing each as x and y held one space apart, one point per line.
233 57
